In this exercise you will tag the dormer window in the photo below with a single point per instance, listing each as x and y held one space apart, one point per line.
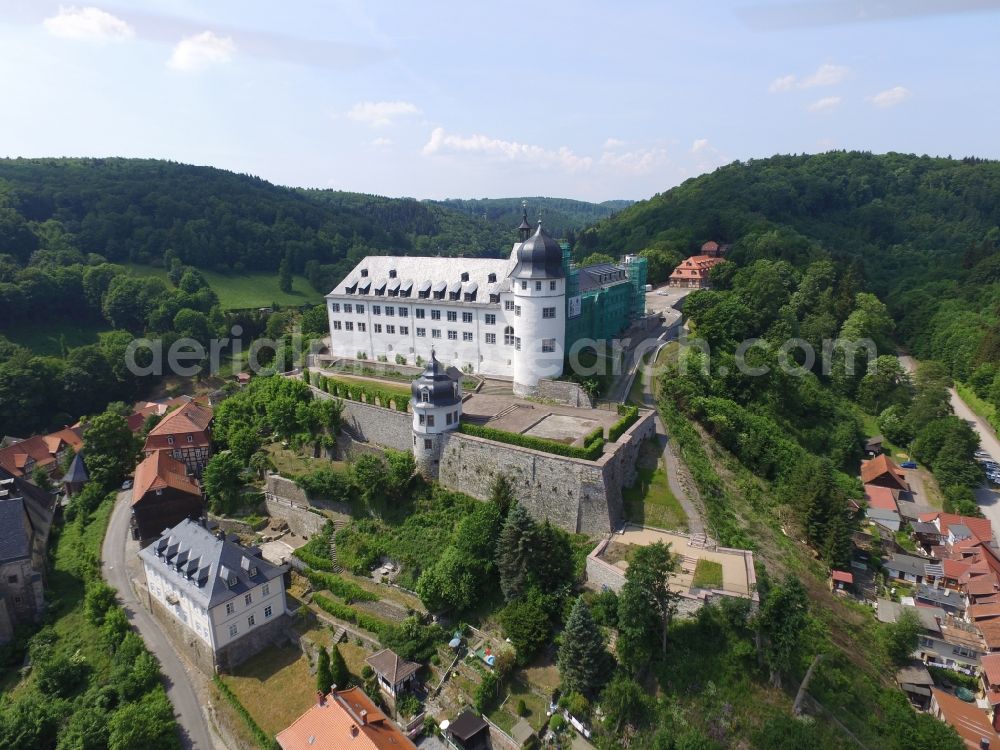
392 273
232 581
253 570
492 278
465 275
364 271
425 396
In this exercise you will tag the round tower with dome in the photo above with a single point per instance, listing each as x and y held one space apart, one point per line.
437 409
538 284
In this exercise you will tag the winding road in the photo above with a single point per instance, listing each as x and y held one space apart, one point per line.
987 498
194 730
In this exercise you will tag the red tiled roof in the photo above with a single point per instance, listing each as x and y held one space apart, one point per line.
991 668
880 466
337 723
881 497
982 586
990 630
981 528
983 611
159 471
41 449
955 569
841 576
969 720
190 419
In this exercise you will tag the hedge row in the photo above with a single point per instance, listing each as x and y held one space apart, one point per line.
314 561
346 590
263 740
350 614
593 437
628 416
359 392
589 453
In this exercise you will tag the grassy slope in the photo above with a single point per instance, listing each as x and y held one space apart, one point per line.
255 289
847 682
983 409
48 337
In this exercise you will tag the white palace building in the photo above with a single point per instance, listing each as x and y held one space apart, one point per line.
493 316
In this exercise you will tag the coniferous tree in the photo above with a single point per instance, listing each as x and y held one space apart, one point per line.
285 274
339 675
324 676
502 494
582 657
838 546
514 552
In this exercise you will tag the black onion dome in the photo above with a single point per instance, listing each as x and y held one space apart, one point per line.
440 386
539 257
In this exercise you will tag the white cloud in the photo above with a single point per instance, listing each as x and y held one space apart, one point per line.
784 83
890 97
194 53
825 75
380 114
613 144
699 145
826 104
441 142
640 161
87 23
381 142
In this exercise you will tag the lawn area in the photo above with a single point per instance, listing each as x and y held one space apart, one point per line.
50 338
289 462
650 501
253 289
274 672
707 575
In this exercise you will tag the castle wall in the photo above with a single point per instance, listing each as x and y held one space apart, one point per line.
373 424
564 392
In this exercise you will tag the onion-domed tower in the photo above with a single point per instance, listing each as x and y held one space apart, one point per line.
539 287
437 408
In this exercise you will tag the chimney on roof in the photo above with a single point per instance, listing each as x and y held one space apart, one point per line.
354 730
364 717
333 689
984 743
320 698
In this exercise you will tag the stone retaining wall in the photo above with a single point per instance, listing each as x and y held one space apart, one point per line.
564 392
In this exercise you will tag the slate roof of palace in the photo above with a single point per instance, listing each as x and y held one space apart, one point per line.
194 557
24 508
429 272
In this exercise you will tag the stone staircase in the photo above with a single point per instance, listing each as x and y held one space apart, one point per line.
337 526
339 634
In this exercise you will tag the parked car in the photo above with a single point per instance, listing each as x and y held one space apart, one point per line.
127 484
909 464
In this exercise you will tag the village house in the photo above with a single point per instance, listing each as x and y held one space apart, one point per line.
22 457
693 272
185 434
916 682
223 601
343 719
468 731
841 582
906 568
394 674
872 446
163 495
990 686
883 472
26 513
968 720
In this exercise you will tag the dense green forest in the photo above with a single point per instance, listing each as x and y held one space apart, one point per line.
561 216
922 233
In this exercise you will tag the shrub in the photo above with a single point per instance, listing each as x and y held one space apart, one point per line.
346 590
344 612
522 707
588 453
557 723
628 414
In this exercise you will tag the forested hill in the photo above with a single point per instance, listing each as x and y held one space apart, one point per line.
920 232
561 216
136 210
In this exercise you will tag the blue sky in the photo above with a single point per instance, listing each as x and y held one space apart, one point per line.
577 99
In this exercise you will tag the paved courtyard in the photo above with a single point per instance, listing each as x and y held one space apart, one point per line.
737 566
504 411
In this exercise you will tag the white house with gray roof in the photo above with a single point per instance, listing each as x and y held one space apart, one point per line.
503 317
218 591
